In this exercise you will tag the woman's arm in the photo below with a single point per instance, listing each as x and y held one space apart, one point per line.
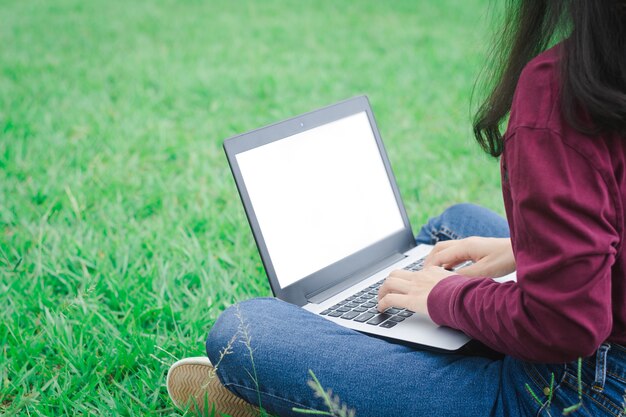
564 234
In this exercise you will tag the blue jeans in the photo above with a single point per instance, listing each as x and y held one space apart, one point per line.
272 345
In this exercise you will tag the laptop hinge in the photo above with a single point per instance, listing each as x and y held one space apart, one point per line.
324 294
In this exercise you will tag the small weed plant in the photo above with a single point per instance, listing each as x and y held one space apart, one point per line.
335 407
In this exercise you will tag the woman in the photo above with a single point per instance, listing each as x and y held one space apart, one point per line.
563 163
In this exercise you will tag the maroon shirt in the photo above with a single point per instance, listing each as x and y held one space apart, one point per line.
564 194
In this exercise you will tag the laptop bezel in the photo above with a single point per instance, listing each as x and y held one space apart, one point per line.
300 292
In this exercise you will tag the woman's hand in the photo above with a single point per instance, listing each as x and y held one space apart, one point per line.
492 257
406 289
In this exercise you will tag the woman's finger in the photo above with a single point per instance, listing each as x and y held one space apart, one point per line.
403 274
489 266
452 255
394 300
394 285
439 246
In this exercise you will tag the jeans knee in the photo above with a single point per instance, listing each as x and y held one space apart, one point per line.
462 210
463 220
233 324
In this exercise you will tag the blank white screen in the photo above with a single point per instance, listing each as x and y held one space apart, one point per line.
320 196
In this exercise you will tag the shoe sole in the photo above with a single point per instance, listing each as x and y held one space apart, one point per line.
193 385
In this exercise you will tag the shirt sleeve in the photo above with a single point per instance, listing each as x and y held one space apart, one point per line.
562 219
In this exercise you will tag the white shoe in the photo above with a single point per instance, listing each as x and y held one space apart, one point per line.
192 384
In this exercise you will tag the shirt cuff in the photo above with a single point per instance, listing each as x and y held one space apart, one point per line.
442 298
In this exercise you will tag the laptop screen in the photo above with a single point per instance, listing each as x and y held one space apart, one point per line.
320 196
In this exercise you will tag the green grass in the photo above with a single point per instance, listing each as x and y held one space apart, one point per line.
121 233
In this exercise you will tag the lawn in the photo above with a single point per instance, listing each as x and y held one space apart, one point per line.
122 236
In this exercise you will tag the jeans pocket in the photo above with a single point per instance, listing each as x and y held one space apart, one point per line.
594 402
543 388
593 386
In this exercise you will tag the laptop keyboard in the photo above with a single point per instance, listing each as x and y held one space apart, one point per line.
362 306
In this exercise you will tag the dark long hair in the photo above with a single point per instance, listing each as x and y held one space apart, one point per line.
593 64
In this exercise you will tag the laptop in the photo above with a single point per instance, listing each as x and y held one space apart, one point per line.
329 222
